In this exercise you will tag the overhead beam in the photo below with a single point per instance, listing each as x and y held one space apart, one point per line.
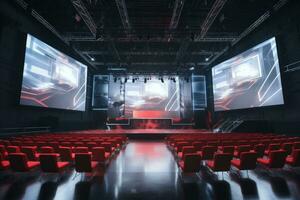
147 63
277 6
85 15
178 5
210 18
150 53
124 16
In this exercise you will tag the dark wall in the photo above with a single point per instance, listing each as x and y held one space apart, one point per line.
14 26
285 26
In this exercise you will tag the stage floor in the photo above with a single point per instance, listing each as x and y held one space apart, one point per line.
148 131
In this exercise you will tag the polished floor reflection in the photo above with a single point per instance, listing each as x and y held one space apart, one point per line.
147 170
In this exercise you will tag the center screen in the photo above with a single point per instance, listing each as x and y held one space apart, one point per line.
144 98
251 79
152 99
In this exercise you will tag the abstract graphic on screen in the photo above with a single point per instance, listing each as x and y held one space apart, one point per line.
251 79
51 78
153 99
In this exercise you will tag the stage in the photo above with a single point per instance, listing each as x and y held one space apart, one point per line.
144 133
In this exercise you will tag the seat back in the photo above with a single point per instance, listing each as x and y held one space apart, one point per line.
81 150
243 148
288 146
272 147
65 153
228 149
222 161
198 145
208 152
30 151
277 158
296 145
83 162
98 154
18 162
188 149
2 150
46 149
13 149
260 150
191 162
107 146
248 160
180 145
296 157
48 162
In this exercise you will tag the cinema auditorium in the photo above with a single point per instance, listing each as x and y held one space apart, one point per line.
149 99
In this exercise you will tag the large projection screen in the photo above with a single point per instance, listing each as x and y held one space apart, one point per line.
51 78
153 99
250 79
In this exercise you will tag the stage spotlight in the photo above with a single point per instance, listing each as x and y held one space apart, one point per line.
92 59
207 59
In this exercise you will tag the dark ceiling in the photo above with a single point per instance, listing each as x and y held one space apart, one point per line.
152 35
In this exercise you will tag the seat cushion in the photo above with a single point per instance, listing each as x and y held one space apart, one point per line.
290 160
210 164
94 164
62 164
32 164
4 165
236 163
107 155
263 161
180 154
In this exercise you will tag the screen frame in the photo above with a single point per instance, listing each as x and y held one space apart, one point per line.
281 78
22 77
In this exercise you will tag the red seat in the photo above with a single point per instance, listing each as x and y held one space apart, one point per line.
84 163
207 152
4 164
240 149
185 150
49 162
99 154
3 151
81 150
19 162
30 151
228 149
221 162
260 150
247 161
272 147
190 163
13 149
198 145
276 159
288 147
294 159
46 149
179 146
65 154
296 145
